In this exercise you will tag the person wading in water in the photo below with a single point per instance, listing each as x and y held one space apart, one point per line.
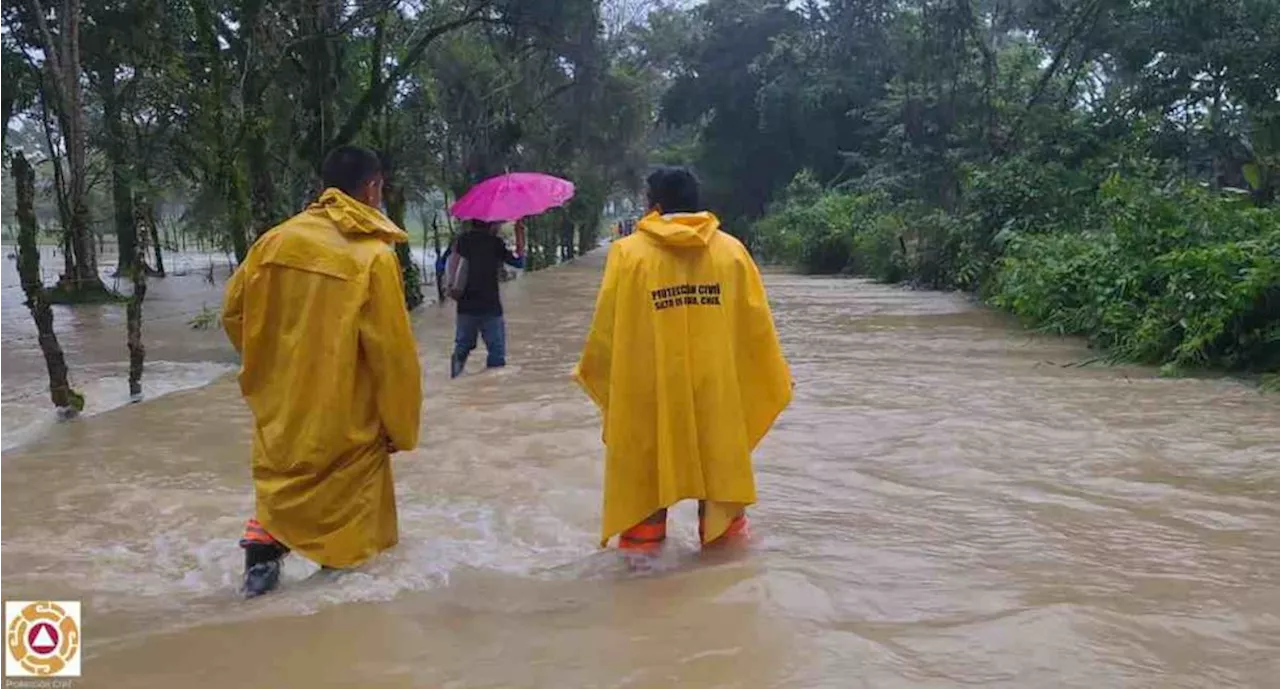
330 371
685 365
479 302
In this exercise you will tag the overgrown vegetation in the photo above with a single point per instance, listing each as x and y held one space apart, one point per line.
1101 167
1176 276
1173 274
1097 167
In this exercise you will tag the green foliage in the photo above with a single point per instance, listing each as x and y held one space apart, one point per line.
810 229
1176 275
1018 194
1270 382
206 319
879 251
1181 277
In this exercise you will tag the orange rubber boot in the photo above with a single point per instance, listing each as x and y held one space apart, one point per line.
739 530
647 536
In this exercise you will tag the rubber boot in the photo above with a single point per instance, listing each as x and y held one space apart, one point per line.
262 568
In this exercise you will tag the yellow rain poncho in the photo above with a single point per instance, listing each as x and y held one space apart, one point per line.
330 371
684 362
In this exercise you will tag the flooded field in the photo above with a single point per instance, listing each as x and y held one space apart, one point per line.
944 504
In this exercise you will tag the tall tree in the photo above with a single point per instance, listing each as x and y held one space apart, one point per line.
60 44
65 399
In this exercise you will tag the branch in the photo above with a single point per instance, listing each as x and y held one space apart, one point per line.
359 17
244 74
378 93
186 154
550 96
1091 12
50 51
96 173
988 64
1089 17
59 182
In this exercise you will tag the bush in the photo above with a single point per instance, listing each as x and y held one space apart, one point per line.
1180 277
814 230
879 251
1020 195
1216 305
940 251
1172 274
1069 285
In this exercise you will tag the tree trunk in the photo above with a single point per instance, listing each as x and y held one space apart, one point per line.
117 150
133 317
155 241
392 192
66 400
85 280
68 259
145 207
62 60
589 231
262 188
566 241
435 244
423 270
59 180
394 195
323 78
239 213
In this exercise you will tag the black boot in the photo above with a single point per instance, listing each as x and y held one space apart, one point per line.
262 568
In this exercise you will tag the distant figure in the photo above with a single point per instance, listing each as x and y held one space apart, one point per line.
330 371
480 303
683 360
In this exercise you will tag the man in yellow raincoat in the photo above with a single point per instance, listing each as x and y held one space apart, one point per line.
330 371
685 364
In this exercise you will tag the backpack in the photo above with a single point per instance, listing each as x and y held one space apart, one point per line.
455 274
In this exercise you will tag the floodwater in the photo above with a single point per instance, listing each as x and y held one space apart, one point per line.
93 338
947 502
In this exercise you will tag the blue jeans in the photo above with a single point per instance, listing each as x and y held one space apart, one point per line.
493 329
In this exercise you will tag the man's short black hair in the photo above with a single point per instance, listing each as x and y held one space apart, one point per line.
674 190
348 168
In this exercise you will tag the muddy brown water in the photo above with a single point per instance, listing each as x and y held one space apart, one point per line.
944 504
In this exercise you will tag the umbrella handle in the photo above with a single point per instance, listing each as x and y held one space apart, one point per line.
520 237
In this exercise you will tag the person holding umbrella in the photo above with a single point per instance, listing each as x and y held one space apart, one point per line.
505 198
479 301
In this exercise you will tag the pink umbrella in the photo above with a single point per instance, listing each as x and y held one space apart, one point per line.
512 196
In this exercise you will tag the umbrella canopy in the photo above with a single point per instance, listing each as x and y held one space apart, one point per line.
512 196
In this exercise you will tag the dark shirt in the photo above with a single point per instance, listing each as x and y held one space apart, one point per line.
485 254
